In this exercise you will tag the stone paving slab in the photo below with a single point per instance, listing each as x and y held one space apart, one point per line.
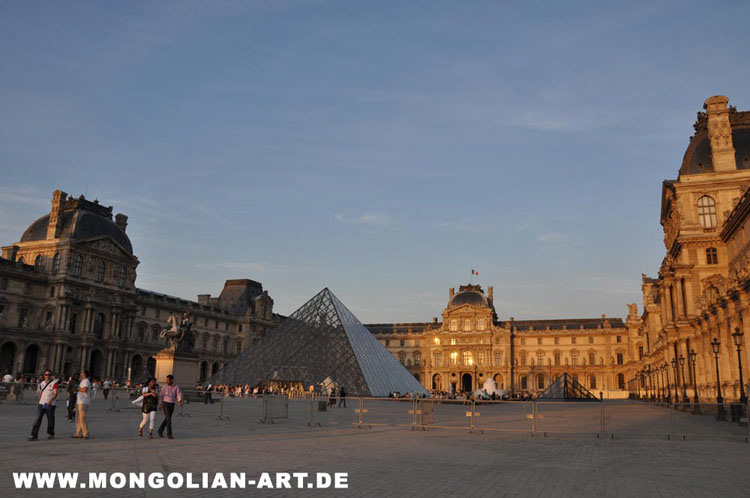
386 460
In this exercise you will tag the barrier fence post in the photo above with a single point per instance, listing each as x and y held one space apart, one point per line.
601 425
113 406
672 420
221 410
311 420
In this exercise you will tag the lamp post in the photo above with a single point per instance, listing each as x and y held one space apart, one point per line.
660 378
696 406
676 378
682 372
720 415
651 382
737 336
476 380
665 366
642 385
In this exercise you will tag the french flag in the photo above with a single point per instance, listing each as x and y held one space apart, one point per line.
474 272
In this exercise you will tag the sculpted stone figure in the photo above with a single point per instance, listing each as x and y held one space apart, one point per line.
179 333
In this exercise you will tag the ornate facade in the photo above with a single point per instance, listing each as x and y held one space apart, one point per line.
68 301
701 290
470 345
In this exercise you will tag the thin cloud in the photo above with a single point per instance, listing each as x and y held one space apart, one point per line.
370 219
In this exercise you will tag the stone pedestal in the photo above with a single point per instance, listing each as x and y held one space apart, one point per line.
185 367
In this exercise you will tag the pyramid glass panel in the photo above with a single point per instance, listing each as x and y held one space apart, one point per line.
567 388
322 339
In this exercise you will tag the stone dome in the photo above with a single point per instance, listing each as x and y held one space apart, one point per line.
697 158
81 220
469 294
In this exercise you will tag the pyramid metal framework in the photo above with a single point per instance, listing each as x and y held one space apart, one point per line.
567 388
321 340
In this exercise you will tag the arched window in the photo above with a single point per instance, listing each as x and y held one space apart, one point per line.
121 277
56 264
77 266
39 263
100 272
707 211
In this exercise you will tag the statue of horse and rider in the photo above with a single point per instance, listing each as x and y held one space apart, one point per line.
179 332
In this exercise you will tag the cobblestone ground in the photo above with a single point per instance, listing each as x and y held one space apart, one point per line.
389 459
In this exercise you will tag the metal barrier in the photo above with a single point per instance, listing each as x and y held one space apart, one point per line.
274 408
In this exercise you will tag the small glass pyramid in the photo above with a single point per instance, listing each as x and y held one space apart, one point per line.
322 339
567 388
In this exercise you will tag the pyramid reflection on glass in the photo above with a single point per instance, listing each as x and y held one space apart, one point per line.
567 388
321 340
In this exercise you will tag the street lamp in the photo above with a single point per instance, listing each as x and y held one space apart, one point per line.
693 355
651 382
682 372
720 415
737 336
665 366
642 387
660 368
676 378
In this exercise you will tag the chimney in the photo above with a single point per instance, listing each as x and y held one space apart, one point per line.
434 320
720 133
56 215
121 221
489 292
451 292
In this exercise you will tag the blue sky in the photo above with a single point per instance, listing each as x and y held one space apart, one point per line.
382 149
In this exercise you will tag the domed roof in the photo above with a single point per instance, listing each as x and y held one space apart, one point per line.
469 294
81 220
697 157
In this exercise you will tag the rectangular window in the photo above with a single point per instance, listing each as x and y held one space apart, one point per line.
619 358
454 326
572 340
591 340
480 358
467 325
619 338
712 257
574 357
401 343
27 288
557 358
387 342
453 341
23 315
592 358
454 358
557 340
72 325
436 359
498 359
539 341
640 352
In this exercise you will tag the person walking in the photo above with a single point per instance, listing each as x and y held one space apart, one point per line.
332 397
72 390
148 408
167 397
106 386
208 398
83 400
342 397
46 394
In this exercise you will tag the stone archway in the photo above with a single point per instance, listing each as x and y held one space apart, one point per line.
499 381
30 359
7 355
467 383
96 364
437 382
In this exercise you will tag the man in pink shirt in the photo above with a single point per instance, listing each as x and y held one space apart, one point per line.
167 397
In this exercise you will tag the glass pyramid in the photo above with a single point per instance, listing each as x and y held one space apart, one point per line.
321 340
567 388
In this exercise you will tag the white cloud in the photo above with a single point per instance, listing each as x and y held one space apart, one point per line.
371 219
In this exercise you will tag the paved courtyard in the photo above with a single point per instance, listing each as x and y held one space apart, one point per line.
389 459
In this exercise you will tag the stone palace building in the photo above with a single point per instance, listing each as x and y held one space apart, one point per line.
68 301
702 292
